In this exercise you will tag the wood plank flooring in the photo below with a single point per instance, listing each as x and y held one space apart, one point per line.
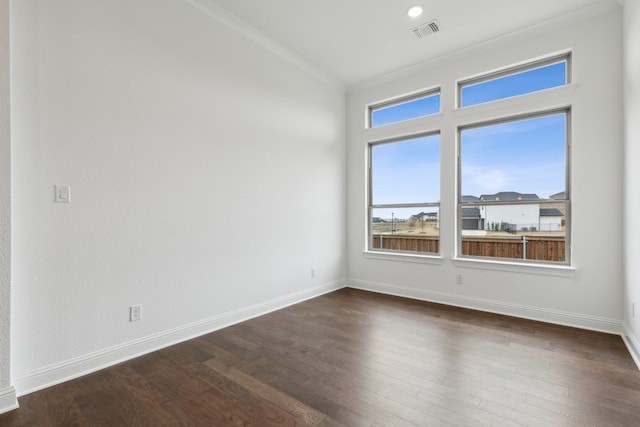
354 358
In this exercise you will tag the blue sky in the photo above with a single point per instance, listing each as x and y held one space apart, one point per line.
546 77
409 110
526 156
416 181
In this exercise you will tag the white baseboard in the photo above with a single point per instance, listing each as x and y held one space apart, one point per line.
581 321
632 343
77 367
8 399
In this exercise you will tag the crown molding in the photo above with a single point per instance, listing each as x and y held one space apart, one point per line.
225 17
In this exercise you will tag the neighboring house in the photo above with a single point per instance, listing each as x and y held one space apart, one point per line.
508 196
427 216
557 196
470 198
516 216
550 219
513 217
430 219
471 219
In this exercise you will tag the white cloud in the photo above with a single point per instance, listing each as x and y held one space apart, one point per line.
479 180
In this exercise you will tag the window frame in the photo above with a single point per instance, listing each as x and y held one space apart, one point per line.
514 70
447 123
371 206
423 94
566 201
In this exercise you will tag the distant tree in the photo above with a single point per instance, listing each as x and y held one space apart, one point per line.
412 223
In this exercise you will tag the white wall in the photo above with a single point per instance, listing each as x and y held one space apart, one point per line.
7 392
632 175
206 173
208 178
589 296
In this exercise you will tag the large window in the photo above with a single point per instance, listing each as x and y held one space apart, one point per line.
404 194
505 164
513 188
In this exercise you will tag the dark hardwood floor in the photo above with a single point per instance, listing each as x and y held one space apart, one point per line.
355 358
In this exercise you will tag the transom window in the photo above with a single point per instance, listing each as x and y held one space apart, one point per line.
406 108
530 78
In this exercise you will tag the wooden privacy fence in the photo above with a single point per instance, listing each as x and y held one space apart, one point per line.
543 248
401 242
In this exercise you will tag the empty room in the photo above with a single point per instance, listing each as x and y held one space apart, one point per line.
336 213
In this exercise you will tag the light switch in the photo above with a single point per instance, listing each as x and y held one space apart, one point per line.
63 194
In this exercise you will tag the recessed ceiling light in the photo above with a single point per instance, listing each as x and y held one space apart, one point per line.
414 11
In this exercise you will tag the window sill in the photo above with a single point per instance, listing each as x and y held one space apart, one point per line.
515 267
480 264
403 257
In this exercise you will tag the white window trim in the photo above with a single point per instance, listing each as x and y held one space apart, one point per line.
397 100
447 123
514 69
566 201
371 206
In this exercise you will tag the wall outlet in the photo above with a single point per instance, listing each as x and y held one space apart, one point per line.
135 313
314 272
459 279
62 194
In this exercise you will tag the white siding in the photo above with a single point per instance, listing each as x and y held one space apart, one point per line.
550 223
520 215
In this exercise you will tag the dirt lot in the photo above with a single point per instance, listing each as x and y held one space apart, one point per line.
430 229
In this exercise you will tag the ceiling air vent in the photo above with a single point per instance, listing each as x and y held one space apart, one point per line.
425 30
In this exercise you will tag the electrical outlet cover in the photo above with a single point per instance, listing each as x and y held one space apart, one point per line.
135 313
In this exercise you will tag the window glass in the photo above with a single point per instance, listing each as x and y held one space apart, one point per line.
523 232
406 171
527 156
481 90
513 200
415 229
404 195
404 110
512 176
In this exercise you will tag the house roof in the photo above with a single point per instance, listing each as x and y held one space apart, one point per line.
470 212
550 212
470 198
559 195
509 196
425 214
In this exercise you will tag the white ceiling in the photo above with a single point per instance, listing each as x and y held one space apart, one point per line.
354 40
